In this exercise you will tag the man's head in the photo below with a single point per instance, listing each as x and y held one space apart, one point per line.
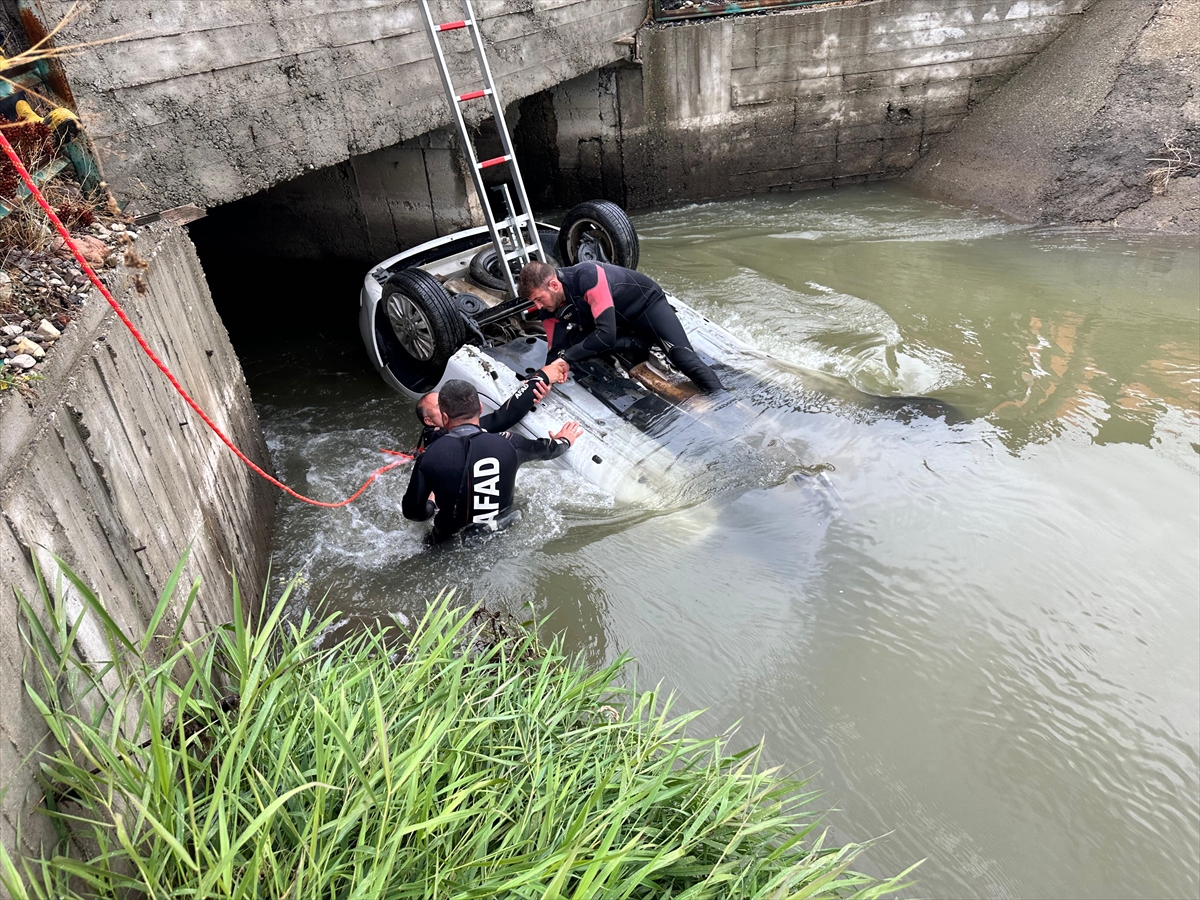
539 285
459 402
428 412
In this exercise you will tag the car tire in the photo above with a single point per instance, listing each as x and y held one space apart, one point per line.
424 318
485 266
597 231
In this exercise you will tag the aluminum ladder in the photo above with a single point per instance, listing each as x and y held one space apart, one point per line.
516 237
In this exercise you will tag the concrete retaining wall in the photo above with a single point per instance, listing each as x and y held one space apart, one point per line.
1076 136
717 108
789 100
205 102
111 471
329 117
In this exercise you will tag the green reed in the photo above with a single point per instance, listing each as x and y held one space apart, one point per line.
252 763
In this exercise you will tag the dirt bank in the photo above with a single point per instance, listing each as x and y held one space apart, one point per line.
1104 126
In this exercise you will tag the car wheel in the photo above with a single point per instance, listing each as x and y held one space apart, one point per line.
485 265
424 318
597 231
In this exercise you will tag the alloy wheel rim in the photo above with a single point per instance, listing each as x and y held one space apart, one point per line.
411 326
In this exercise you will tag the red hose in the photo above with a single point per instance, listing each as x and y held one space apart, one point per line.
91 274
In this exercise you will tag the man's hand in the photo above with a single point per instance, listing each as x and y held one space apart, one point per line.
557 371
571 431
540 390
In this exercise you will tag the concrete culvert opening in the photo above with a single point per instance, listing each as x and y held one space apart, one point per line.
290 260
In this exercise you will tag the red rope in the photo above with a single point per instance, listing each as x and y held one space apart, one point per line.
91 274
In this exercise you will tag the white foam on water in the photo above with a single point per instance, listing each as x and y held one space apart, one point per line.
826 330
371 537
864 230
823 217
1174 430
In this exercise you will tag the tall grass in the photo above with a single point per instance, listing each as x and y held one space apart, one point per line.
251 763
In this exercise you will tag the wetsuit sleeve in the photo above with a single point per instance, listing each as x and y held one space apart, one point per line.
603 339
542 448
512 410
556 337
416 503
604 336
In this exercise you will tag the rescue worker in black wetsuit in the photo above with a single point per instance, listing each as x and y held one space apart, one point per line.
592 308
470 472
509 413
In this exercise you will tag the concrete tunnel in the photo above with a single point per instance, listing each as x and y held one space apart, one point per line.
328 227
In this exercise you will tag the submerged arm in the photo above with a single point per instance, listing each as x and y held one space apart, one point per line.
416 503
541 448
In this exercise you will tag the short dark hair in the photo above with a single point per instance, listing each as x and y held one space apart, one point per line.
422 402
458 400
533 276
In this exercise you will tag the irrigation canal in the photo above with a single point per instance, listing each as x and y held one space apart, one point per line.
984 646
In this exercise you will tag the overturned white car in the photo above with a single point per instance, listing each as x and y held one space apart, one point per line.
444 310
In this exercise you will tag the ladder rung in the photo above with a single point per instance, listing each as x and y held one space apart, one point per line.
508 238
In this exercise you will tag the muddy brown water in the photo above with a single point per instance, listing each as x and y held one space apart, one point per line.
980 641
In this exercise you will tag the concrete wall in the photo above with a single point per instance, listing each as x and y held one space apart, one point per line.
1074 136
788 100
328 116
197 101
111 471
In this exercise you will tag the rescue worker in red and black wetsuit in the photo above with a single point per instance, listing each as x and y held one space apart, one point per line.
471 473
592 308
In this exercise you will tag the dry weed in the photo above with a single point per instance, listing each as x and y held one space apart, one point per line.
45 50
134 261
1173 161
27 227
38 141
